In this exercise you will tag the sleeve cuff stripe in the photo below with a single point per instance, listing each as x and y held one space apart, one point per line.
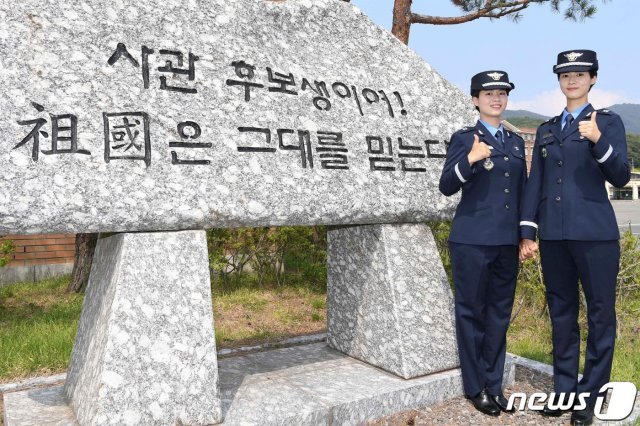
459 174
605 156
526 223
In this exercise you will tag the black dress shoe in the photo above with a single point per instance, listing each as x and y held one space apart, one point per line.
502 403
582 417
552 412
484 403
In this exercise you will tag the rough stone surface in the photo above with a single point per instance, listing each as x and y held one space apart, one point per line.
56 54
145 349
311 384
388 299
344 388
36 407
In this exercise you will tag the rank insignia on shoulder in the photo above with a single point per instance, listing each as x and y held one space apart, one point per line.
488 164
544 152
517 149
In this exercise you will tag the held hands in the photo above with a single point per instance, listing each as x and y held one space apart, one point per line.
479 151
589 129
528 249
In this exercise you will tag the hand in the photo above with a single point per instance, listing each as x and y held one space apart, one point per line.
589 129
479 151
528 249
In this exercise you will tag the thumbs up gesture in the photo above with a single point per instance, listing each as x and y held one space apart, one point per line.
589 128
479 151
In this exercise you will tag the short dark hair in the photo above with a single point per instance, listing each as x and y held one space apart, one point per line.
475 94
592 73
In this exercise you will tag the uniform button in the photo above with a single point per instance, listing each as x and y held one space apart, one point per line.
506 174
506 206
506 190
506 158
560 163
560 145
559 180
558 198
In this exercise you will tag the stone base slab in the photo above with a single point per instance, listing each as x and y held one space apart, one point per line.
310 384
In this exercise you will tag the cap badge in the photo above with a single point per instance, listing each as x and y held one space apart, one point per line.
495 75
572 56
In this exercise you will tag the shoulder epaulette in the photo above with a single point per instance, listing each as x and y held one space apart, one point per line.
516 135
465 130
606 111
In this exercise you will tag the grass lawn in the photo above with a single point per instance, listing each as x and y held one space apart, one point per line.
38 325
530 336
38 322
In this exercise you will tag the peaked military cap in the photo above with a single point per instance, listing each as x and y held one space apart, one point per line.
576 60
489 80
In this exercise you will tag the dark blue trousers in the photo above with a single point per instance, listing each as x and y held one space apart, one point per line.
595 264
485 283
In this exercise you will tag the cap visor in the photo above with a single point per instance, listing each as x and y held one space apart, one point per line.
572 68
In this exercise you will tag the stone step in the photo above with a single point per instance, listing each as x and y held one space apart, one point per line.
309 384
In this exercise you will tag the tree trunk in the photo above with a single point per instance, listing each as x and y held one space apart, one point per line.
401 20
85 247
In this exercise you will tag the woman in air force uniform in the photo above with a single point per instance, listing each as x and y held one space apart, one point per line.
487 163
567 205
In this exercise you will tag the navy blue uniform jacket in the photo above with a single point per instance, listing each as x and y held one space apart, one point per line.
565 197
488 212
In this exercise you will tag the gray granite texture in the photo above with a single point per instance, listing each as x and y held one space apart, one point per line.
145 349
103 103
388 299
303 385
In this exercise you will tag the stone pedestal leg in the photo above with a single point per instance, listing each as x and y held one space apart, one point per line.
145 350
389 302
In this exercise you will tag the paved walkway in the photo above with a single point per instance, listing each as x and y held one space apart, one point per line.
627 215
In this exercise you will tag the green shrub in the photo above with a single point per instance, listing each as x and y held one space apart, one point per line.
7 248
268 256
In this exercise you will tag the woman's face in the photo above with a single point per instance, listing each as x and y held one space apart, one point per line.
575 85
491 103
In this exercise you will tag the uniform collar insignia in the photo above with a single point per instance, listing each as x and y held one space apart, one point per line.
572 56
495 75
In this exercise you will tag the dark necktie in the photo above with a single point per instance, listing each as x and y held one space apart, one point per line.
567 123
499 138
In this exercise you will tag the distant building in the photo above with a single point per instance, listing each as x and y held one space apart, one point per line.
529 136
630 192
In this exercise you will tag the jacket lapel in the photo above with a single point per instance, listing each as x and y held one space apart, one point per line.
556 127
